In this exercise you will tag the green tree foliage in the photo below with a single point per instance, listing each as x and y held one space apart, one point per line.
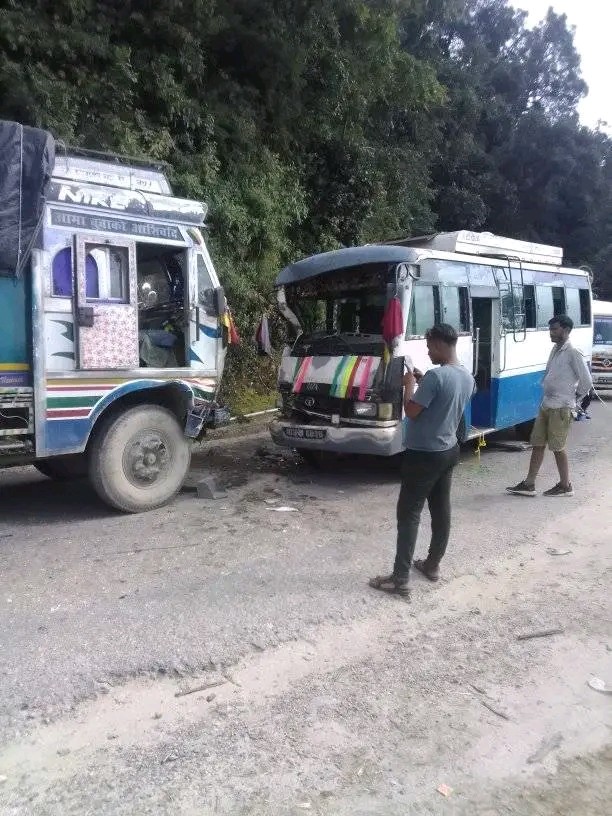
306 126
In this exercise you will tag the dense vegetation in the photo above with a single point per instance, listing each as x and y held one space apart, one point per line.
307 125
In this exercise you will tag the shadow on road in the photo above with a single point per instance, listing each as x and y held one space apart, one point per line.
25 496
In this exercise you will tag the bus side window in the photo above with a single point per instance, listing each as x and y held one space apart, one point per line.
530 306
544 305
572 297
558 300
585 307
423 310
455 308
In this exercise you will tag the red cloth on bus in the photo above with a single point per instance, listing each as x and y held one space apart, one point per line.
393 321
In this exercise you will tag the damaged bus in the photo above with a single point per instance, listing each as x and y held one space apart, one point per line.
340 380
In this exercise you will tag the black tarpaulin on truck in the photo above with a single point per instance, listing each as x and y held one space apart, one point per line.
27 156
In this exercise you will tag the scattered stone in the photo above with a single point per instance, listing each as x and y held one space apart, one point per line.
207 488
210 697
112 736
63 752
157 716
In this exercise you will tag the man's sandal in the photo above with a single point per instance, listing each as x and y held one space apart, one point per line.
431 573
390 584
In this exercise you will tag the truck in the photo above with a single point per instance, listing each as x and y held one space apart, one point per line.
113 322
340 379
601 367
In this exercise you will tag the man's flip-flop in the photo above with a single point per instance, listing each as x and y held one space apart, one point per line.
390 584
422 566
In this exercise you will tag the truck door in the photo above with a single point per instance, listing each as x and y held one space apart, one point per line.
106 303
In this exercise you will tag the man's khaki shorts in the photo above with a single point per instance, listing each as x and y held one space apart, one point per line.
551 428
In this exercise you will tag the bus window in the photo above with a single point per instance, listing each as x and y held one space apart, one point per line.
512 309
558 293
455 307
585 307
530 306
544 305
572 298
423 310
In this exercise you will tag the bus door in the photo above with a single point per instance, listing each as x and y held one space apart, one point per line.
483 318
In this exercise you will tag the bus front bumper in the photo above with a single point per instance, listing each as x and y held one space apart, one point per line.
364 439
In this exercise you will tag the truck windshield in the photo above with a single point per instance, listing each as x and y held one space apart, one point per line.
602 331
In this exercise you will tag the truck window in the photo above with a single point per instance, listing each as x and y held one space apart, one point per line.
206 291
112 271
61 275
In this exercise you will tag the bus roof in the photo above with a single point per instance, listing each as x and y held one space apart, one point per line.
602 308
327 262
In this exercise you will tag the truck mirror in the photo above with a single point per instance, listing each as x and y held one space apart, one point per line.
219 301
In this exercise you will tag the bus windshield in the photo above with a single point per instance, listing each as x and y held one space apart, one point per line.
602 331
345 313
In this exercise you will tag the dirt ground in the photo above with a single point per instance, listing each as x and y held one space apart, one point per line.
317 694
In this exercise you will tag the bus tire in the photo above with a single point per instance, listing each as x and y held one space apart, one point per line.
139 459
523 430
63 468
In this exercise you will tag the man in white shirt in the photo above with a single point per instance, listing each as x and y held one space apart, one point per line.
566 375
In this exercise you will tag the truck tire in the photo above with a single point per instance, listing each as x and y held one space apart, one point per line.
139 459
63 468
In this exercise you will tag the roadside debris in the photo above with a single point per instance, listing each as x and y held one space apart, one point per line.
548 745
555 551
497 711
540 633
6 535
444 790
283 509
207 488
597 684
203 687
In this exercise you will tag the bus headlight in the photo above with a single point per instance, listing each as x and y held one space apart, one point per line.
385 410
364 409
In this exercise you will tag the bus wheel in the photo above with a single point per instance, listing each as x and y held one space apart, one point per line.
523 430
139 459
63 468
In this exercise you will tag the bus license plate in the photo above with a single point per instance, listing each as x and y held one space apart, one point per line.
305 433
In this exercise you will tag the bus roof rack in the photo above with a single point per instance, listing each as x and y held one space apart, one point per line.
485 243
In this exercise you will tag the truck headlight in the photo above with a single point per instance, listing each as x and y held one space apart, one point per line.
385 410
364 409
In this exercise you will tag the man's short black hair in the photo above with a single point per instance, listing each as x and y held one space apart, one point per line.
443 332
564 321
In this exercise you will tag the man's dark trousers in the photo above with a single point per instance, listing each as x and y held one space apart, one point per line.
426 476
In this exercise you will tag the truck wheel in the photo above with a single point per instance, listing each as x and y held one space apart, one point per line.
63 468
139 459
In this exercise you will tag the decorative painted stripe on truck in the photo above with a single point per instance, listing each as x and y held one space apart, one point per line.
78 399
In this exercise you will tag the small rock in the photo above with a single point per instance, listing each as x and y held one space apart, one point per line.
63 752
112 736
210 697
169 758
3 779
157 716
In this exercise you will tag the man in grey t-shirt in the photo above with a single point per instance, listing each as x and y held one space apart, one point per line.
433 412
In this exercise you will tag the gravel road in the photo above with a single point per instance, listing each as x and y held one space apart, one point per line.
316 694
